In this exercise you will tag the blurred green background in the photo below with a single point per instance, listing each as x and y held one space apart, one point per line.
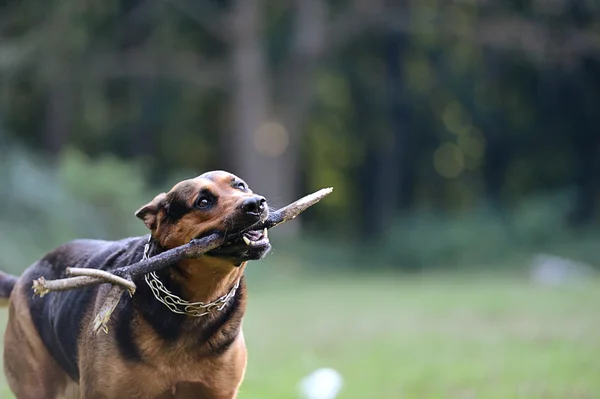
457 256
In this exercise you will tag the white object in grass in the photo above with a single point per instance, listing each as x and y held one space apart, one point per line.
324 383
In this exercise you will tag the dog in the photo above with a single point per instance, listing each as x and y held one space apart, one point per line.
179 336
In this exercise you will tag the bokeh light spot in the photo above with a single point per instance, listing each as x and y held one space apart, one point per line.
420 74
453 117
472 144
449 161
271 140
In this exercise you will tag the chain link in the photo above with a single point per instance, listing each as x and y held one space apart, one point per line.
179 305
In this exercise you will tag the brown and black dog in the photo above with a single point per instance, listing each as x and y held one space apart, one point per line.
150 351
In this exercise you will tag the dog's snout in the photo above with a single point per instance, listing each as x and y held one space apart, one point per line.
254 205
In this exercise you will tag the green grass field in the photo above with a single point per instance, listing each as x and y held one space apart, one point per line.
422 337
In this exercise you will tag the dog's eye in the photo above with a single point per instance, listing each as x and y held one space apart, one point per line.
204 201
240 186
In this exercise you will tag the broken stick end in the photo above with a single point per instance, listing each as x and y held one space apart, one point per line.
101 323
320 194
40 287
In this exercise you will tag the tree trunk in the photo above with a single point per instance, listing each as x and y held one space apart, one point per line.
250 101
586 140
264 142
59 109
395 163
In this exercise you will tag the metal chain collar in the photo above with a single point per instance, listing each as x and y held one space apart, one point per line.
179 305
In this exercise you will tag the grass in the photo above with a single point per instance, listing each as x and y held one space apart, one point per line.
421 337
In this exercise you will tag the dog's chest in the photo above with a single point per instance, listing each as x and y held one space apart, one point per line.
189 358
184 373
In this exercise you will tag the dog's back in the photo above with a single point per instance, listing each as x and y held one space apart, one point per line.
43 332
59 317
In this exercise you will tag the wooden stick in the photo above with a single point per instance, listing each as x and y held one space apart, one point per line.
41 286
122 277
193 249
292 210
84 278
108 277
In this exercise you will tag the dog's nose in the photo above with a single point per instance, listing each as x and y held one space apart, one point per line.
254 205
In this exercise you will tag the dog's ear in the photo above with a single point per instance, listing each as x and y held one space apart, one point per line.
149 212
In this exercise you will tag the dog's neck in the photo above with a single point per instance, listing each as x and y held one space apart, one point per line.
203 279
206 279
200 280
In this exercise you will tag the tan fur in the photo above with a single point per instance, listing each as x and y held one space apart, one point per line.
206 278
114 378
194 223
169 370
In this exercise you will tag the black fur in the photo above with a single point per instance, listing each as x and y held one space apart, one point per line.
166 323
7 283
124 330
228 323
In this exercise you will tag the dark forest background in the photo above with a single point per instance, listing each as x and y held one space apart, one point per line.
454 132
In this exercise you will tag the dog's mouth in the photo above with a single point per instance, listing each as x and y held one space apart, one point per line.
249 245
256 238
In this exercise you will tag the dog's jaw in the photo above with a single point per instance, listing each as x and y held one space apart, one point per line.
250 245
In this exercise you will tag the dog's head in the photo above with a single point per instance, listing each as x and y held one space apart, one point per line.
212 202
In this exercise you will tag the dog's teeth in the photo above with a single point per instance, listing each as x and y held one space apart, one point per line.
265 233
247 240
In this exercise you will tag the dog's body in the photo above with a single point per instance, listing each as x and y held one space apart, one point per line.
50 350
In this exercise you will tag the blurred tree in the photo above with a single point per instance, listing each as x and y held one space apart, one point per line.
410 104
